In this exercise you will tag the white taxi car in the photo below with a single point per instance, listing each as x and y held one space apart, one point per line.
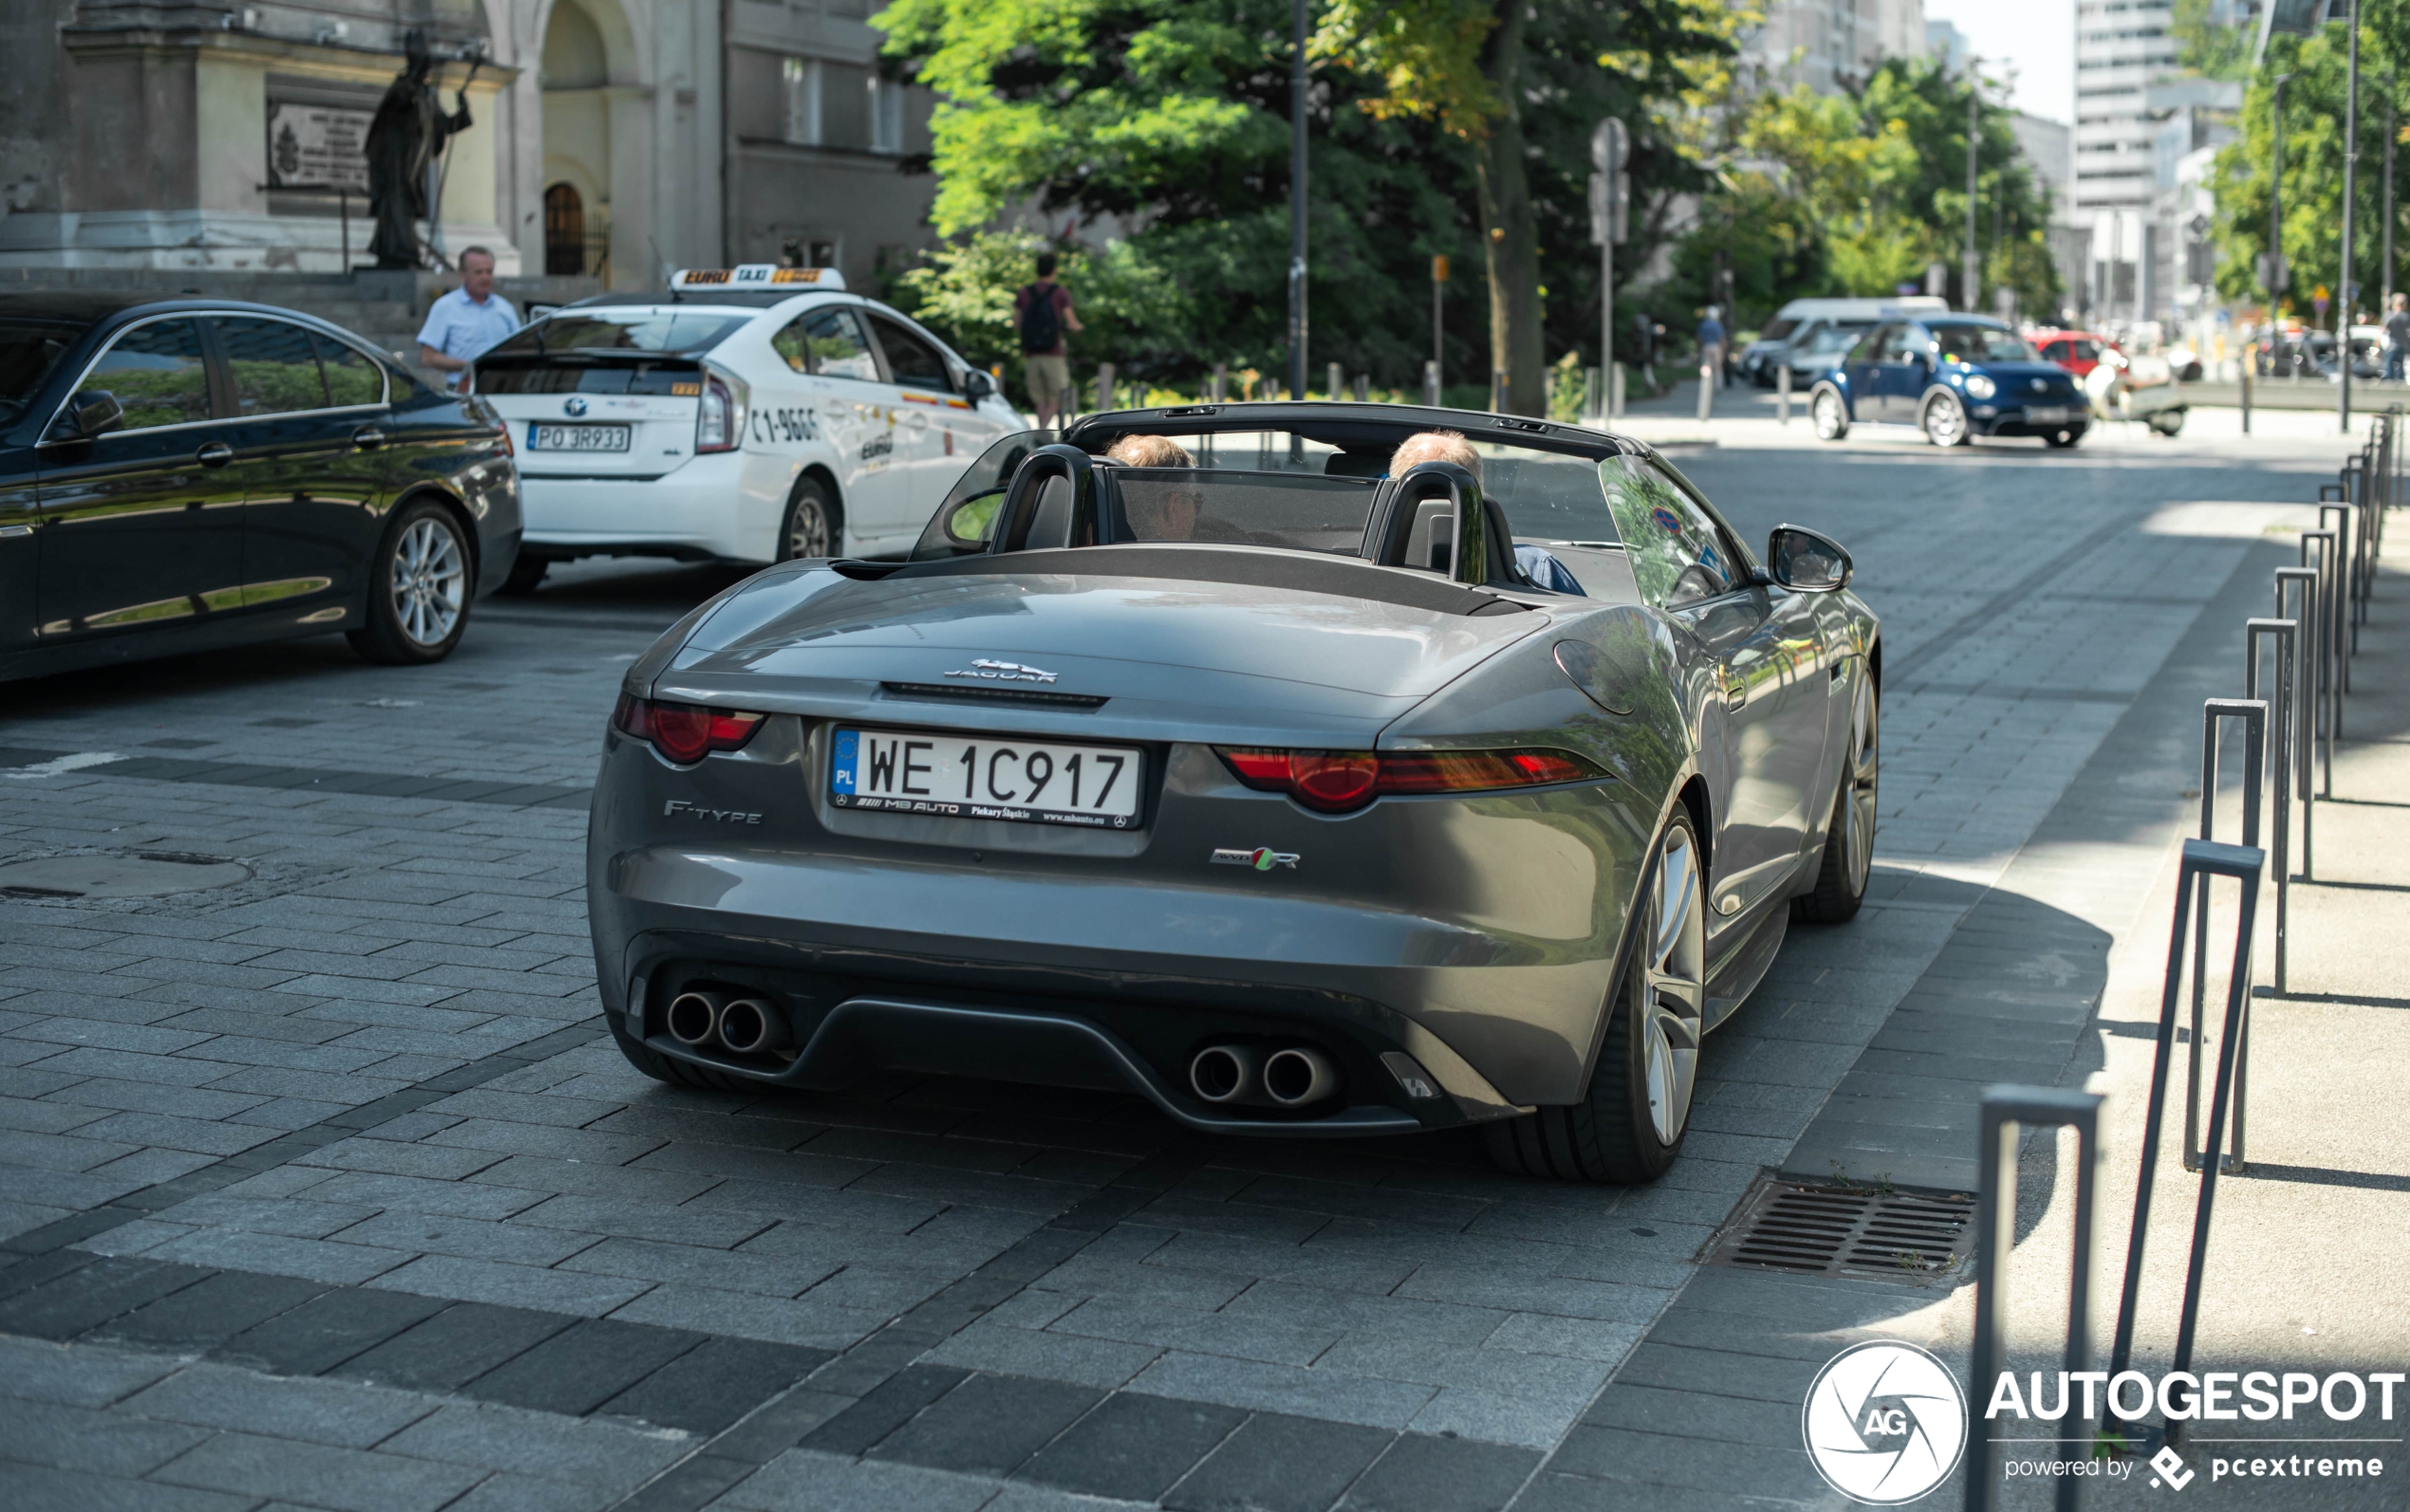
753 415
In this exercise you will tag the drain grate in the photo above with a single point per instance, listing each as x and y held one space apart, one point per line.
148 874
1847 1230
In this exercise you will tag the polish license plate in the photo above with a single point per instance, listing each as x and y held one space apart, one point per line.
2048 413
578 437
914 771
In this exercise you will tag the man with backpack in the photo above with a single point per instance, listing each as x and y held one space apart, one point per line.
1042 311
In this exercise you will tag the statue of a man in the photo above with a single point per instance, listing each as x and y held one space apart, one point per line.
404 141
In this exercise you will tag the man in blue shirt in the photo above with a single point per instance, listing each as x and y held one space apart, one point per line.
466 322
1711 345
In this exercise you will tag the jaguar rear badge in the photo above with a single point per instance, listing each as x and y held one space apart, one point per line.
1260 858
1002 671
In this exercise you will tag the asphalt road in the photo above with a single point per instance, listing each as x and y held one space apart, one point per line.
324 1191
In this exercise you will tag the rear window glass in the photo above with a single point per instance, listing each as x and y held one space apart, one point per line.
28 351
1776 329
681 380
624 330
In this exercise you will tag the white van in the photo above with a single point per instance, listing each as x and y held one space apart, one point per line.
1810 334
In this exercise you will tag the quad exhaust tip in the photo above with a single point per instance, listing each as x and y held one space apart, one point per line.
1292 1076
711 1019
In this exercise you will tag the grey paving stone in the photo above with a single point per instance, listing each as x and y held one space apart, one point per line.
1279 1464
308 1217
476 1239
202 1317
988 1425
1423 1473
748 1315
1132 1447
715 1383
75 1375
320 1411
454 1347
92 1295
804 1481
1330 1395
639 1220
544 1139
349 1479
544 1175
509 1285
461 1199
1055 1356
769 1275
281 1255
884 1408
507 1491
97 1443
429 1162
540 1444
325 1331
39 1488
582 1366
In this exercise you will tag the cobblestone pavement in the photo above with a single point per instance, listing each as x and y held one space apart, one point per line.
324 1188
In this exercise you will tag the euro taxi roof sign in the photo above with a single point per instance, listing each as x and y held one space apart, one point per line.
757 275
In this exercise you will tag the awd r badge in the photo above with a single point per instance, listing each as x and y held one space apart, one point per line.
1260 858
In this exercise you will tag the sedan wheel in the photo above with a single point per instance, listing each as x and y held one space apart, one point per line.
811 528
1832 421
1630 1125
1945 421
419 588
1849 839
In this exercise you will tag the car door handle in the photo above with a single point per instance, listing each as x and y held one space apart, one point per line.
213 454
368 438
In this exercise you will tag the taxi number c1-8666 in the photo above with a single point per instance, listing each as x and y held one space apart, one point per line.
930 772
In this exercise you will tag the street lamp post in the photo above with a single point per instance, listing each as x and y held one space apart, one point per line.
1973 270
1297 206
2350 162
1610 148
2275 277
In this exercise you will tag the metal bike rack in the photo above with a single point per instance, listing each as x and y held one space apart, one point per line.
2328 690
2347 594
2202 859
2305 740
2280 757
2005 1112
2214 713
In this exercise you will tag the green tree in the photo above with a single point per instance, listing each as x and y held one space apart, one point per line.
2311 234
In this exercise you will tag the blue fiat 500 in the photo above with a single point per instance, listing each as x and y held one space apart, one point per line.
1954 376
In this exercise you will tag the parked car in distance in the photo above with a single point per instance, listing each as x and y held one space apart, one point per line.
1809 335
2079 352
181 475
749 415
1955 377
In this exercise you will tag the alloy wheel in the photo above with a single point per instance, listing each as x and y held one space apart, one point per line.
1866 770
1674 995
1828 418
430 581
1945 421
807 530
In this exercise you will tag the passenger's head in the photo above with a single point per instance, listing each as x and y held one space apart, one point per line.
1436 446
1150 452
1045 265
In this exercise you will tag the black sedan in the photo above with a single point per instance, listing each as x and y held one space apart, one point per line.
184 474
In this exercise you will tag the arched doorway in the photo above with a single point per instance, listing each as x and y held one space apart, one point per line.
577 141
564 248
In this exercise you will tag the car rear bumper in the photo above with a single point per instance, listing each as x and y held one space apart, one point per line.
1031 965
723 507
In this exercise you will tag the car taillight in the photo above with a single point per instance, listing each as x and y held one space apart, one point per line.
719 415
1336 780
683 732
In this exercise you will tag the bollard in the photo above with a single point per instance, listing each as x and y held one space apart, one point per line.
1782 394
1706 390
2214 713
1615 392
1104 387
1430 383
1498 393
1067 406
1364 388
1593 396
2305 689
2280 757
2200 857
1220 391
2245 372
2005 1111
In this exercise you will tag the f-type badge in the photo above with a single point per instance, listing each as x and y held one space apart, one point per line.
1260 858
1002 671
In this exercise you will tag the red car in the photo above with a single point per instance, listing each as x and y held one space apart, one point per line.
2079 352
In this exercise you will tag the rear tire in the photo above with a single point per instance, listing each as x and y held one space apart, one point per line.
419 588
814 524
1629 1125
1830 416
1849 839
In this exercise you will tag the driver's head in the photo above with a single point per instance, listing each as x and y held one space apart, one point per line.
1157 513
1436 446
1150 452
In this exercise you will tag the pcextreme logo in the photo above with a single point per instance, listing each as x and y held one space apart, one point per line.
1884 1423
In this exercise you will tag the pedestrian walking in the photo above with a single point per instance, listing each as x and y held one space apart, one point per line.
1043 312
1711 345
463 324
2398 337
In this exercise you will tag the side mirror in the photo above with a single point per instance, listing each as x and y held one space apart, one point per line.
1807 560
976 385
89 413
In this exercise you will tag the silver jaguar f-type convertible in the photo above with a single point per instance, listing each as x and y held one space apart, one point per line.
1230 756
